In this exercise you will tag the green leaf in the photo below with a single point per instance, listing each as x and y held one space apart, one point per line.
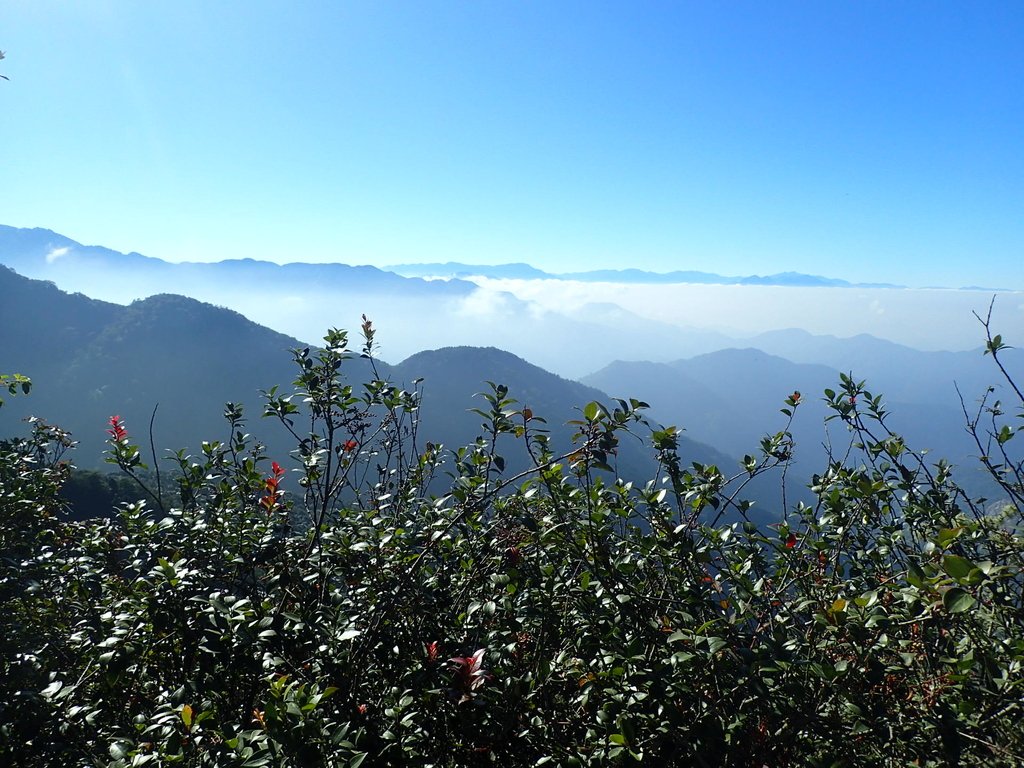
915 576
716 644
868 599
947 536
119 749
957 600
957 567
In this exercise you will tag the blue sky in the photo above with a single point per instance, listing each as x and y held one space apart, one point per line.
872 141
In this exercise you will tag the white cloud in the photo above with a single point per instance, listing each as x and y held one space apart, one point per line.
483 303
56 253
923 318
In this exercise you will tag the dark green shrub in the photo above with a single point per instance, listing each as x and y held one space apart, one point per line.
559 616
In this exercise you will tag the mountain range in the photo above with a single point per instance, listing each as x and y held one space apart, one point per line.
91 359
109 354
732 397
518 271
302 299
571 331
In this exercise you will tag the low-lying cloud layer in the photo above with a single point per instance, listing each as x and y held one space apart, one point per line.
929 319
571 327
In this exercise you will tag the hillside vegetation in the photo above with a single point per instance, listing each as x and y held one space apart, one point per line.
330 607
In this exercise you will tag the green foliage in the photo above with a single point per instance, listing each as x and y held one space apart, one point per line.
335 608
14 383
32 472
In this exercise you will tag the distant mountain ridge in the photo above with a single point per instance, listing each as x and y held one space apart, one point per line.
521 271
572 337
32 251
731 397
44 254
302 299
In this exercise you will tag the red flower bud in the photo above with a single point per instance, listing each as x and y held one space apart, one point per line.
117 429
433 650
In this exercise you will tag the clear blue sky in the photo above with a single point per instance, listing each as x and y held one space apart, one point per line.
863 140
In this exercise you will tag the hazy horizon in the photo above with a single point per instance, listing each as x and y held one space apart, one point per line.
570 327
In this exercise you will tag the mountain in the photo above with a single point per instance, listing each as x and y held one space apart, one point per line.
456 270
452 381
717 399
732 397
301 300
623 331
520 271
902 373
90 360
46 255
549 322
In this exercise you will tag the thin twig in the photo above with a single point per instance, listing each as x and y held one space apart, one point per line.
156 465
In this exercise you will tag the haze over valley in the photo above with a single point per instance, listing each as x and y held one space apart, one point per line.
569 326
659 341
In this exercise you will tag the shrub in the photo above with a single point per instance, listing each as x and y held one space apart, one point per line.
334 608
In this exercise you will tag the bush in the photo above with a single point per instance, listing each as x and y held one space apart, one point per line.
333 609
